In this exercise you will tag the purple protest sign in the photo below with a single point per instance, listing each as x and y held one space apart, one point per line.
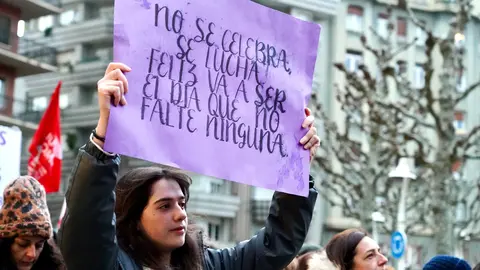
217 87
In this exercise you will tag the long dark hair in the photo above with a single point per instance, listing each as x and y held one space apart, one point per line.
132 194
341 249
50 258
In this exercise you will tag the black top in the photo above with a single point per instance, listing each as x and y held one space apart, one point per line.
87 237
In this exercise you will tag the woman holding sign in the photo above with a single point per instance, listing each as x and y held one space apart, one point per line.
141 221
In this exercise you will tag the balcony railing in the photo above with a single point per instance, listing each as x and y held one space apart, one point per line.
30 48
19 109
259 210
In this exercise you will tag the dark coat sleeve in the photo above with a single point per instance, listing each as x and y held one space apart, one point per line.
87 237
277 244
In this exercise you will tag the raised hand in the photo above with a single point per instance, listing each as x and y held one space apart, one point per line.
310 141
111 89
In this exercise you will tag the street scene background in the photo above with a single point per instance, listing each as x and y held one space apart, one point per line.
395 97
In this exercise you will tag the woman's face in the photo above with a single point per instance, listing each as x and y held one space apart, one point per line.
26 250
368 256
164 219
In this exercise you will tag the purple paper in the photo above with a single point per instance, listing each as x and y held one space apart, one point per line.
217 87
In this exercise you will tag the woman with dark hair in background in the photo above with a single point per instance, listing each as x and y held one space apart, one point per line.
26 241
353 250
142 223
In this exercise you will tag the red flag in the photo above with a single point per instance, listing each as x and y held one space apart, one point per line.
45 162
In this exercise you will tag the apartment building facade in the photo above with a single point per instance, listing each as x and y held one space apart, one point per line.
354 19
340 42
14 63
325 13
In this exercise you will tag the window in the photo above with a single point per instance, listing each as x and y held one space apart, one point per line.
459 40
63 101
354 151
357 149
45 22
459 123
214 231
353 60
413 257
420 35
461 80
88 95
65 57
456 166
64 144
3 92
356 117
21 28
217 186
89 53
355 19
401 27
419 76
379 75
39 104
67 17
380 202
401 67
461 213
382 25
5 26
92 11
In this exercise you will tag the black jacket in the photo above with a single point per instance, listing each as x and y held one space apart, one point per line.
87 237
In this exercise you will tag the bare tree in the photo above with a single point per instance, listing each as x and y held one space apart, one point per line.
386 117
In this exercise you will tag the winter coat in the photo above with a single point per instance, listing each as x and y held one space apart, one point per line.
87 236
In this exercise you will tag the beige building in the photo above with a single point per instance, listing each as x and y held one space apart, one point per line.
16 64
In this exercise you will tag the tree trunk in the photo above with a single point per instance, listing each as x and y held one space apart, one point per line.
442 210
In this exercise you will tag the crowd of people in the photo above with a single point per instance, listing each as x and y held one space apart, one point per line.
139 221
353 249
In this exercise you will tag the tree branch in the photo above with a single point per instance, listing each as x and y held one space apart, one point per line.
407 114
393 128
473 138
404 47
467 92
343 194
462 146
416 21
